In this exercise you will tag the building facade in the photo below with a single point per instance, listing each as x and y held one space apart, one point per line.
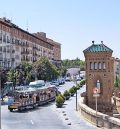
100 75
116 67
56 52
17 45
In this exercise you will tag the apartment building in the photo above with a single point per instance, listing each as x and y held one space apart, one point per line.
116 67
56 52
56 48
17 45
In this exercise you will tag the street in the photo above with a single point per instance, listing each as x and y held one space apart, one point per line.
46 117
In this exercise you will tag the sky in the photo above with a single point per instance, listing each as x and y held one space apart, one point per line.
73 23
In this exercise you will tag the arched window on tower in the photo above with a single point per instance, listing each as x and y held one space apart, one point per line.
104 66
91 66
95 65
99 65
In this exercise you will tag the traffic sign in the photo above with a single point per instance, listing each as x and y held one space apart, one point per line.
96 90
96 95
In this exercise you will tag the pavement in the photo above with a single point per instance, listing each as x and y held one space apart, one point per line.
70 116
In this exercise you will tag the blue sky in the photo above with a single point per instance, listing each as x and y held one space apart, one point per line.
73 23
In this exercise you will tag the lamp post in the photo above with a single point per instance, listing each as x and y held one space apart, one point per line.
76 95
75 80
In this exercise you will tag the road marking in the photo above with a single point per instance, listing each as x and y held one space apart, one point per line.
32 122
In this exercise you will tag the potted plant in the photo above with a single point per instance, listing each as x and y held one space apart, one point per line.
59 101
62 97
82 83
75 88
66 94
72 91
78 86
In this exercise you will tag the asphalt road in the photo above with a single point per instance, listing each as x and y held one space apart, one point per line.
45 117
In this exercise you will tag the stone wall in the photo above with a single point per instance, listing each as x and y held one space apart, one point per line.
102 120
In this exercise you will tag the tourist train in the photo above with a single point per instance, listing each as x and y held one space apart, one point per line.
37 94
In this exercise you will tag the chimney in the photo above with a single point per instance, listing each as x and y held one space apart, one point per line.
93 42
101 42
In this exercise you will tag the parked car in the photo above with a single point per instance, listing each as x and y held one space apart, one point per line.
61 81
67 79
56 83
78 79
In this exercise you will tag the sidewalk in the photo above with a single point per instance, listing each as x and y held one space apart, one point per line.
72 117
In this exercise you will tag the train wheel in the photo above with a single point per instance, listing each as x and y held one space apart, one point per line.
34 106
19 109
11 110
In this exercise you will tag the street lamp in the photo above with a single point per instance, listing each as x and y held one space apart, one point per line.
75 80
76 95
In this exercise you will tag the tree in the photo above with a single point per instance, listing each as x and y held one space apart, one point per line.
45 70
3 77
73 63
21 74
117 82
62 71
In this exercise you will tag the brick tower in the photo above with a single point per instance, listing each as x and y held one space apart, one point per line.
100 74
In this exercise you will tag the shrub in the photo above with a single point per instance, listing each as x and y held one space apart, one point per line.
66 93
75 88
82 82
78 86
59 100
71 90
62 97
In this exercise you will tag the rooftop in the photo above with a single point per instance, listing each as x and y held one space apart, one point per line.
98 48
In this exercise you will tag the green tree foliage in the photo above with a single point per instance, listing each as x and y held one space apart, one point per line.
3 77
21 74
73 63
62 71
117 82
12 76
45 70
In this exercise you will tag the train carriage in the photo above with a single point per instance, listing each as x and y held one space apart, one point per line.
33 97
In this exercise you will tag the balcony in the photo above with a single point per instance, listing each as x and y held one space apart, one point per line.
8 40
13 59
13 51
13 41
4 39
25 52
1 58
4 50
0 38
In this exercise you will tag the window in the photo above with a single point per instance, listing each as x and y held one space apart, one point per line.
0 49
8 40
99 65
104 67
1 36
91 66
95 65
4 38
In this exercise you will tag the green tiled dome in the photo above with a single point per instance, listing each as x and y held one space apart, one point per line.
98 48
